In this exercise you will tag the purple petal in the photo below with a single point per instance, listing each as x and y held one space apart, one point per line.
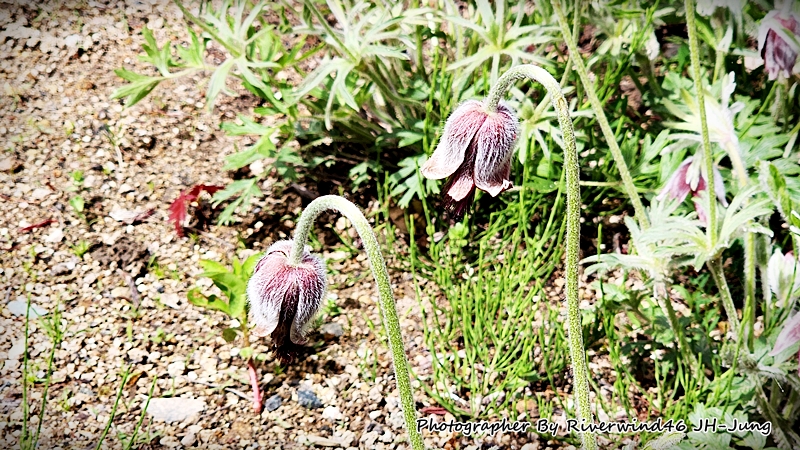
313 283
779 55
677 186
789 335
495 146
458 132
460 188
283 298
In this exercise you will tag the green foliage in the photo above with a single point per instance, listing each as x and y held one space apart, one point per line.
232 282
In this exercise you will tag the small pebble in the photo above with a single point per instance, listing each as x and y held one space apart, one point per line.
273 403
331 330
308 399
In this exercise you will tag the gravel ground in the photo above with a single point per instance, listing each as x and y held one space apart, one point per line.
56 64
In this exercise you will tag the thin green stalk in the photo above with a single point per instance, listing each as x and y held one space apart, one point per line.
387 305
113 408
715 267
580 369
57 332
694 51
683 346
611 140
141 416
25 442
749 288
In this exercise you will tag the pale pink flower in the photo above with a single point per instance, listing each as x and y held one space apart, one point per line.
778 41
789 336
283 299
475 152
689 178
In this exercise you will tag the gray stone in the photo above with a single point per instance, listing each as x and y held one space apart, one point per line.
331 330
9 164
273 403
174 409
308 399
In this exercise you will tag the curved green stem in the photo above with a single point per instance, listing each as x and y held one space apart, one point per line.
611 140
572 172
387 304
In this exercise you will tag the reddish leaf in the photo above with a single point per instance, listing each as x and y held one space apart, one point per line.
141 217
41 224
438 410
178 208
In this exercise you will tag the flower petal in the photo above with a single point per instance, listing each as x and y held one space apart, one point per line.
678 187
312 279
459 131
495 147
789 335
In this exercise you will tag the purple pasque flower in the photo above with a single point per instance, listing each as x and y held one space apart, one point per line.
475 152
778 37
689 178
283 299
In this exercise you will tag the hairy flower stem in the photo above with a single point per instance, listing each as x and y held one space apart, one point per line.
253 375
387 305
715 267
611 140
572 171
694 52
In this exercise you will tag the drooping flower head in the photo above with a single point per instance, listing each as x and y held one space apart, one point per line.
475 152
689 178
283 299
783 276
778 41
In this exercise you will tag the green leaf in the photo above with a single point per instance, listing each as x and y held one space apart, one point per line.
246 352
211 302
774 184
246 189
193 54
211 268
264 148
237 305
217 82
248 126
77 203
140 86
250 265
229 334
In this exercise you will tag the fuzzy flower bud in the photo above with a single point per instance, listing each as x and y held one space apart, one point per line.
783 276
475 152
778 37
283 298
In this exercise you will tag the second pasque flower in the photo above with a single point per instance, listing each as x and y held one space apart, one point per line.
475 152
284 298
